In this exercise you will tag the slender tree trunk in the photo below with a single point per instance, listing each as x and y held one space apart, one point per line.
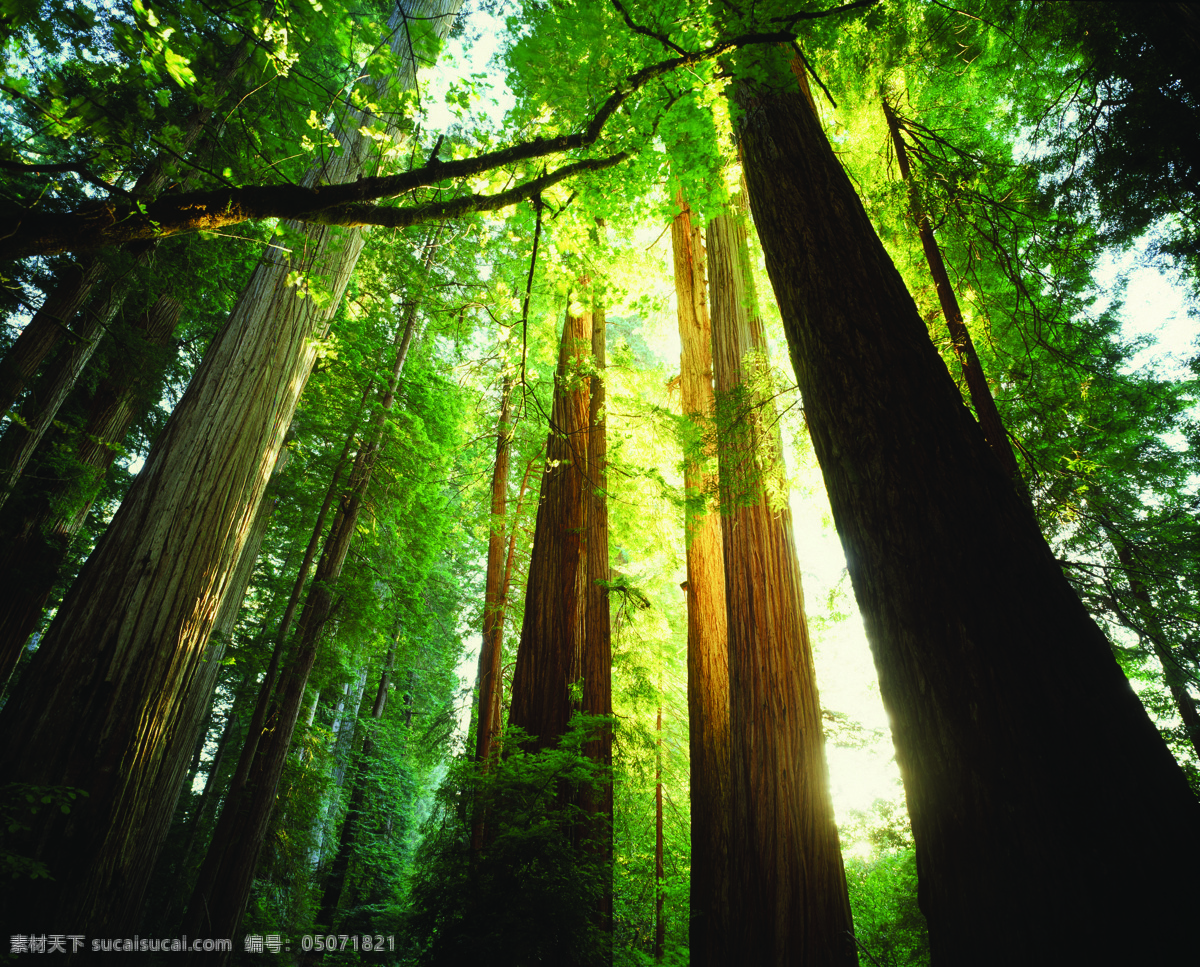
495 592
1005 701
660 926
1152 630
233 854
787 888
708 646
490 649
40 537
982 400
336 882
546 656
118 665
596 644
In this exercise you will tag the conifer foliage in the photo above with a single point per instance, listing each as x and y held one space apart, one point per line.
334 334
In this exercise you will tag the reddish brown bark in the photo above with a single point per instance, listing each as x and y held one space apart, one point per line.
787 889
708 647
1005 700
223 887
547 656
596 644
491 646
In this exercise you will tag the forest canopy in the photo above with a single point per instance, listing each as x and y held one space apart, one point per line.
427 425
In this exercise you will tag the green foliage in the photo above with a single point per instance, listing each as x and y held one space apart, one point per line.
530 894
19 802
888 924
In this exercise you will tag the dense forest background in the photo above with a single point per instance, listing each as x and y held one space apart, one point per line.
390 553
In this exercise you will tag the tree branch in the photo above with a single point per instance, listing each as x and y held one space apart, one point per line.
114 222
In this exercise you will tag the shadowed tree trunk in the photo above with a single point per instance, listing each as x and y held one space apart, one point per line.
223 886
335 884
596 645
787 888
38 544
547 654
708 648
491 647
1021 744
117 669
960 337
1151 628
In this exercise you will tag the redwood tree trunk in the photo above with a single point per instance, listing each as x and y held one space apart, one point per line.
38 544
223 886
596 646
1040 793
708 646
787 888
491 647
546 656
99 705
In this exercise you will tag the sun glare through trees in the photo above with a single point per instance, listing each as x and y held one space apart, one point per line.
599 482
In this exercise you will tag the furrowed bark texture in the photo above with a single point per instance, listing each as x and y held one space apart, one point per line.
982 400
596 644
708 643
787 888
41 533
491 648
100 704
547 660
1020 743
223 887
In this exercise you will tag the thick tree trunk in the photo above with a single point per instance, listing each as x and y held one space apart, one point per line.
1021 745
787 888
982 400
708 644
224 885
117 669
547 661
38 544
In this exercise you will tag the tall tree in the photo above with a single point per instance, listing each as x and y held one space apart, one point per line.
595 663
116 670
787 888
1005 700
547 657
708 647
223 886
